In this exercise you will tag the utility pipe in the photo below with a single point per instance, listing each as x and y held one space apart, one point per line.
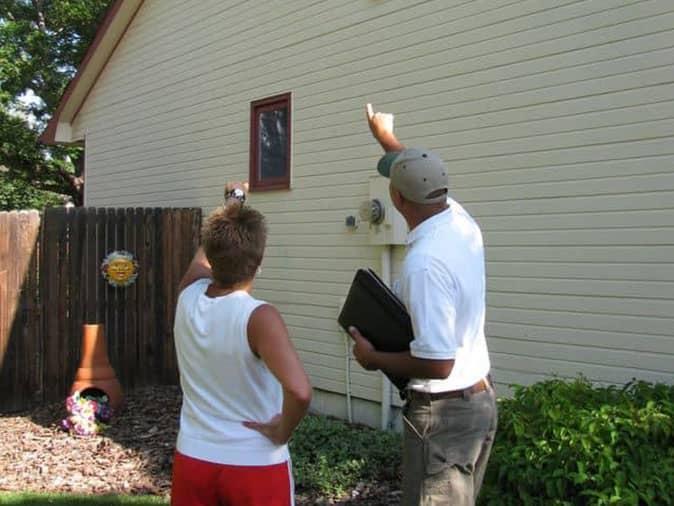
347 370
385 383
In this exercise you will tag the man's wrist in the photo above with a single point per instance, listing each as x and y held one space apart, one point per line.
376 360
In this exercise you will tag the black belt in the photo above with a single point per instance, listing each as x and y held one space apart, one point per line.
480 386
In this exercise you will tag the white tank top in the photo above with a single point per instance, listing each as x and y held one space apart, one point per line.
223 382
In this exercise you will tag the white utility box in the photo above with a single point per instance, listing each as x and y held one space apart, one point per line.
387 226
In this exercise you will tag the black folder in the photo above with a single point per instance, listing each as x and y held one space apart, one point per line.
381 317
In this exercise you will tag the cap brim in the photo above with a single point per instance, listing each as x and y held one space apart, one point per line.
386 162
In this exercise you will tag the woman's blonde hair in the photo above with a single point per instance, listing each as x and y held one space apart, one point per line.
234 238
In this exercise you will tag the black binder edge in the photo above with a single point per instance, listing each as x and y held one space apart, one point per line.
399 382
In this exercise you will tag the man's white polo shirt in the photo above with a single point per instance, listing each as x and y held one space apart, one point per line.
442 284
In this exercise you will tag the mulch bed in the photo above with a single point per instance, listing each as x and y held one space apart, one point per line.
133 456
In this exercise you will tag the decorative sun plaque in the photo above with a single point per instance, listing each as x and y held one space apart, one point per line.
119 269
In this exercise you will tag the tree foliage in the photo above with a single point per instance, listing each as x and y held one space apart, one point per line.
41 44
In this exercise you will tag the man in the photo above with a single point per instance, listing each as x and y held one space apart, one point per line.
450 411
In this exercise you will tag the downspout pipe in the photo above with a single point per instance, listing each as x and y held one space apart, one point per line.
347 370
385 383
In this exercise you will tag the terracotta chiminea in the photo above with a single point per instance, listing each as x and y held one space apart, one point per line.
95 371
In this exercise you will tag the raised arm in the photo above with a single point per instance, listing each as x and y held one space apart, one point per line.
381 126
268 338
199 268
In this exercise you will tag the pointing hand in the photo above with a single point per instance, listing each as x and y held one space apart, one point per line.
381 123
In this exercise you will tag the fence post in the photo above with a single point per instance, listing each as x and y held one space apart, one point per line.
19 333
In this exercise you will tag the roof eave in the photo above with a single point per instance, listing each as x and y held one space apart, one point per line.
115 23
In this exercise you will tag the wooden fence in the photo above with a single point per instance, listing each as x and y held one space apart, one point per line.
51 283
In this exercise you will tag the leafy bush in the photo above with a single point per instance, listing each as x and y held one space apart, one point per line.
569 443
331 457
18 194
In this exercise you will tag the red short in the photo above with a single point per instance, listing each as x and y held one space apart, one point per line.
200 483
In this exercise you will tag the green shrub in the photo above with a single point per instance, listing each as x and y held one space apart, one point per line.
331 457
569 443
17 194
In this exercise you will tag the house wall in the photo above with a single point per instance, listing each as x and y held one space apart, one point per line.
556 119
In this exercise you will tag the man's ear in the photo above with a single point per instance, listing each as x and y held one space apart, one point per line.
396 197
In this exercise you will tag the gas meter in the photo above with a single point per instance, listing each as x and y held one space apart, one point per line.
372 211
387 226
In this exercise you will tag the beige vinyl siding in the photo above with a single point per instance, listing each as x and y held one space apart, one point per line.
556 119
311 235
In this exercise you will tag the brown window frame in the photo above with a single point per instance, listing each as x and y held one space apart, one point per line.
257 183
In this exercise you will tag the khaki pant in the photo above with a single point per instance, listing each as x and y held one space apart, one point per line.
446 446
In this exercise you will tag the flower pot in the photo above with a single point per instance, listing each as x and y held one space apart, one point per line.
95 371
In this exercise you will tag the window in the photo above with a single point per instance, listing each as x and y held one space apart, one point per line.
270 143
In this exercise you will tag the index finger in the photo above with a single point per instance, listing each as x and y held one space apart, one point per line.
369 110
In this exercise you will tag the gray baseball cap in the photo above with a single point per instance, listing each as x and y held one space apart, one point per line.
417 173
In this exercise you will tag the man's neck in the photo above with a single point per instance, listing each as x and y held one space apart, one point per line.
422 213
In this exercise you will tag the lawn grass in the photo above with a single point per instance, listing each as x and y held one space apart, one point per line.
26 499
